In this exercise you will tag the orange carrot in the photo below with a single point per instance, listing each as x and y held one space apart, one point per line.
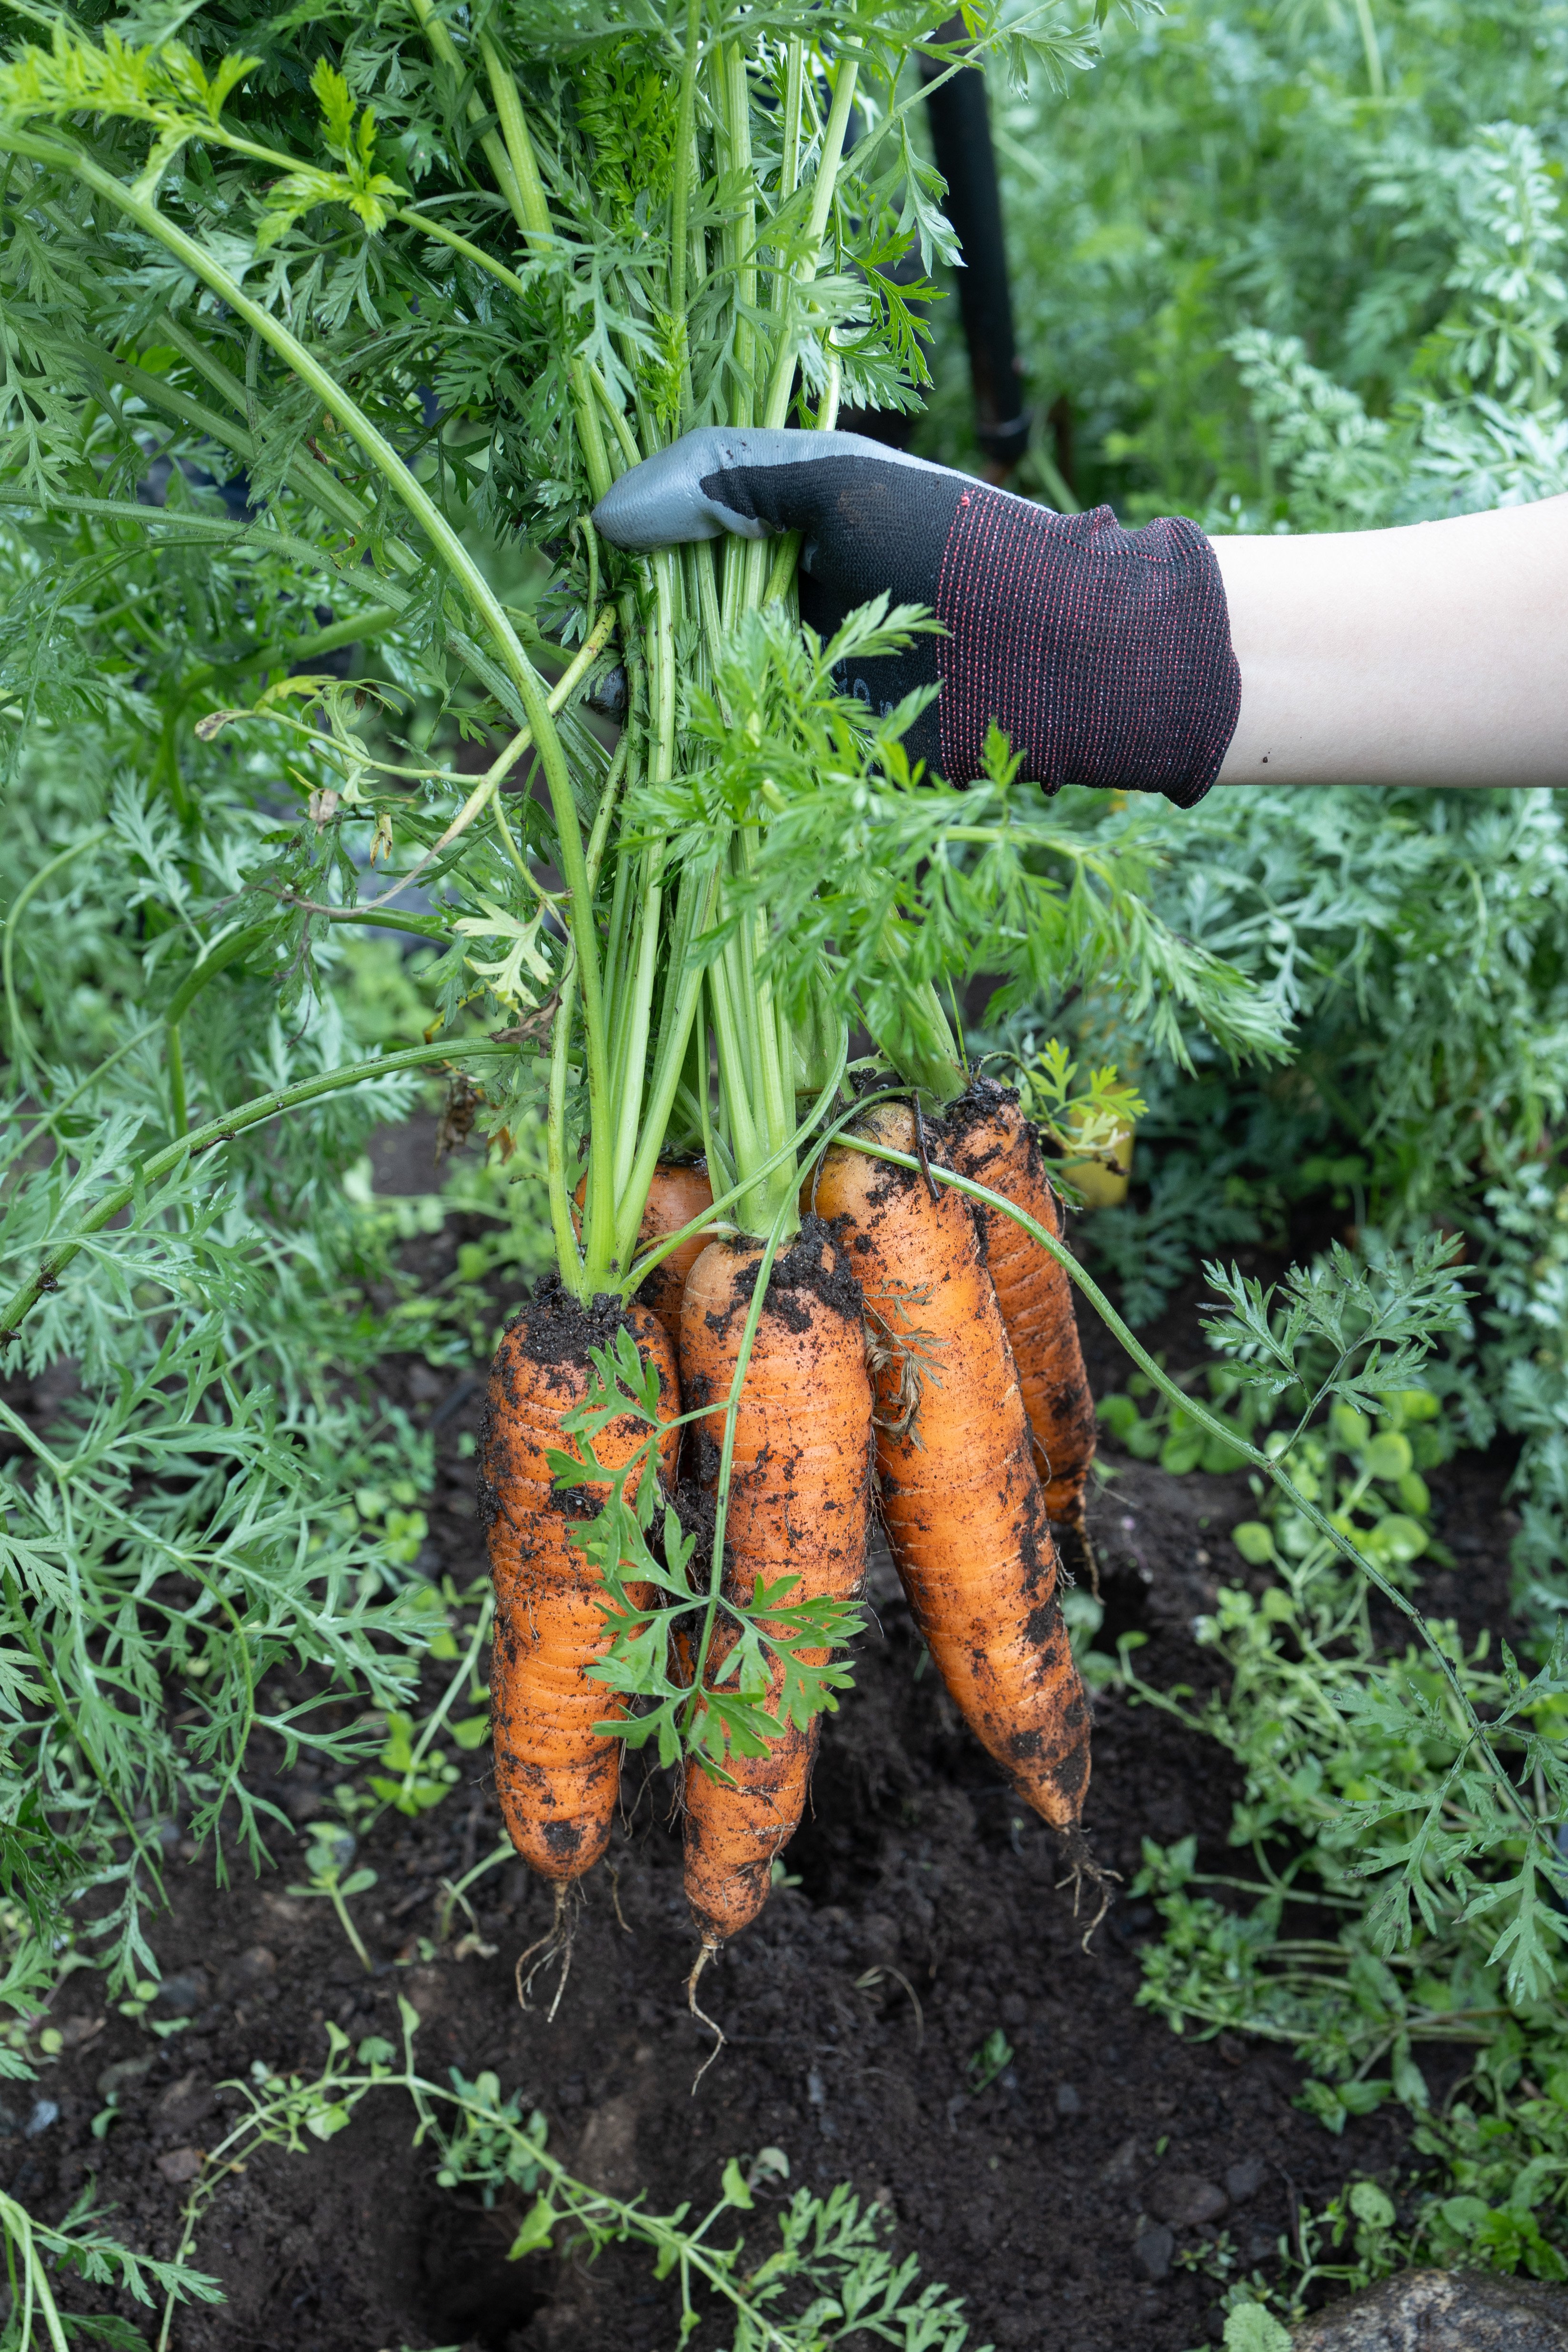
678 1192
556 1775
799 1503
963 1504
988 1138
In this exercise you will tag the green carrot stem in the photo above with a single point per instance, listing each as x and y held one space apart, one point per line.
790 156
445 48
178 1118
728 1191
308 474
568 1258
741 234
914 1036
651 907
757 1301
682 996
532 209
680 193
823 190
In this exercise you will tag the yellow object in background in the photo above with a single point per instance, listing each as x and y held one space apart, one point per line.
1103 1180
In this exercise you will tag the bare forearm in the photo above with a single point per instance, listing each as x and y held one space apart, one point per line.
1433 654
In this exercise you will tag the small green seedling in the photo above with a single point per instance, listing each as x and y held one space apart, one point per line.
993 2058
328 1857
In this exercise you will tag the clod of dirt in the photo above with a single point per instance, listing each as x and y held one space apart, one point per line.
184 2104
1154 2248
1443 2311
182 1995
118 2078
1187 2200
1245 2180
255 1967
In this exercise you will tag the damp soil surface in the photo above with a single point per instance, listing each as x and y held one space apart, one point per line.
922 1914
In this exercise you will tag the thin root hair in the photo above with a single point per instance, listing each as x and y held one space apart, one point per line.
1084 1873
709 1948
555 1944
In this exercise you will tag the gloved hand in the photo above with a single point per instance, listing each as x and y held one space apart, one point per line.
1103 654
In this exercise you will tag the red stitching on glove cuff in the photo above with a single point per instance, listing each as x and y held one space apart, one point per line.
1103 654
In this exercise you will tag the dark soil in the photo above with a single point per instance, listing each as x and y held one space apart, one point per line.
926 1913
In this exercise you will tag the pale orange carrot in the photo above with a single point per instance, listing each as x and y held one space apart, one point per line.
987 1136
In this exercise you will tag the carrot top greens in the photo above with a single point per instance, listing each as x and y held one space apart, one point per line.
420 286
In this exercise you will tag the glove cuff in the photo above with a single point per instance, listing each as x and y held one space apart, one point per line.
1103 654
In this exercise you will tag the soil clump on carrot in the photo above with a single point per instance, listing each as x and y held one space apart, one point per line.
812 1264
916 1867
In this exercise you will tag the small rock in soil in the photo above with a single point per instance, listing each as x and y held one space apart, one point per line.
181 2164
1154 2248
1187 2200
1245 2180
606 2152
1122 2166
45 2113
182 1995
183 2103
1443 2311
1068 2102
252 1967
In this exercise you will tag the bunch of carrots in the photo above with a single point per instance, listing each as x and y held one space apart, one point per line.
912 1355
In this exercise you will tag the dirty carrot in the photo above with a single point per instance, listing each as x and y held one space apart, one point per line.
798 1505
988 1138
963 1504
557 1776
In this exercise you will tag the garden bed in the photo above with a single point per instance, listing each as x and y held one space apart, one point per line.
926 1916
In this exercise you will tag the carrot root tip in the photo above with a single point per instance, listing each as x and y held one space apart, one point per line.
615 1898
1090 1881
555 1944
709 1948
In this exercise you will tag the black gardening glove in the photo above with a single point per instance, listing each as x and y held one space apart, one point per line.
1103 654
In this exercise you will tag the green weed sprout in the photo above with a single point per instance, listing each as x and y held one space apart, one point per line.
330 1853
